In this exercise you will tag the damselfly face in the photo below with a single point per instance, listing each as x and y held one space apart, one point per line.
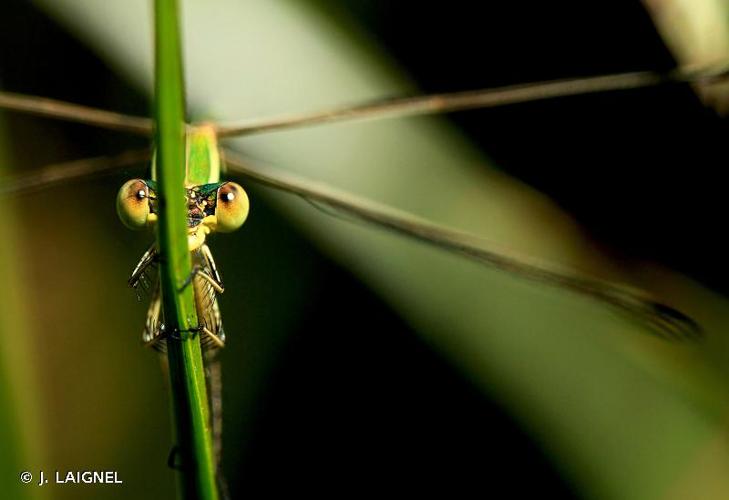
220 206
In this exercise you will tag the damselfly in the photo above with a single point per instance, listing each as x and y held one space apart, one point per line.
212 206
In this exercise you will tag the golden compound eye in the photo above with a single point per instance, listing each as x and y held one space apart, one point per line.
132 204
232 207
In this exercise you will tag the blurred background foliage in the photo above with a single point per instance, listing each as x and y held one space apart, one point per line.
358 361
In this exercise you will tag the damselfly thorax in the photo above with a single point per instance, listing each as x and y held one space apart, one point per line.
206 283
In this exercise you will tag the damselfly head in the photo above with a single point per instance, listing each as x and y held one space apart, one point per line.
220 206
135 204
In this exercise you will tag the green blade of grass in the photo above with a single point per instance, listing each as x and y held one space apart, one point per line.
187 377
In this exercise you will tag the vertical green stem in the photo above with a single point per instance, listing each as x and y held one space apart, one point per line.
187 377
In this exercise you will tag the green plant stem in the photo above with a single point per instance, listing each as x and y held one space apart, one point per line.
189 398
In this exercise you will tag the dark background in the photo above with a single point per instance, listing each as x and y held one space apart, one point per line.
409 422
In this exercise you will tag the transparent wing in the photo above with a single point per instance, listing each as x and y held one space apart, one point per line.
658 318
458 101
51 108
61 173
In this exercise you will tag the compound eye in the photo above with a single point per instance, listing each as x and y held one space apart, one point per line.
231 208
132 204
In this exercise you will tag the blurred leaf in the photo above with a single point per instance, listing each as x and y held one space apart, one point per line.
697 33
19 417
